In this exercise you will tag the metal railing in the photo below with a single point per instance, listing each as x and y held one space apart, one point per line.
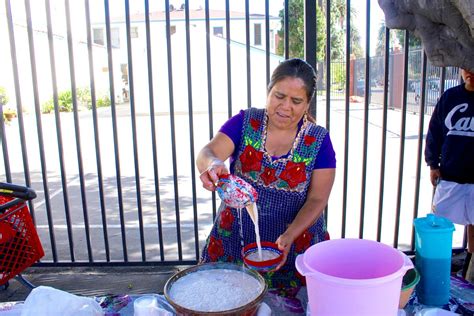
117 185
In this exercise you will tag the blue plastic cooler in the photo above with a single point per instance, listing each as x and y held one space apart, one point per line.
433 242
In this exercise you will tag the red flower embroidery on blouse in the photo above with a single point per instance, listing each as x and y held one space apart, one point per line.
303 241
308 140
268 175
215 248
255 124
227 219
251 159
294 173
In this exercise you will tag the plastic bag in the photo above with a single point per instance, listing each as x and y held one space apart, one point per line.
48 301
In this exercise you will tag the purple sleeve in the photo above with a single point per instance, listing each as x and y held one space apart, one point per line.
233 128
326 157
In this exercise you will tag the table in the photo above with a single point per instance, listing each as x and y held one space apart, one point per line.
462 302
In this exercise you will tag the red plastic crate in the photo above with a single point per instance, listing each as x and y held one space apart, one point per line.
20 246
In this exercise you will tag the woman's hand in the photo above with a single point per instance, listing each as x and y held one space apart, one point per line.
210 176
435 174
210 160
284 243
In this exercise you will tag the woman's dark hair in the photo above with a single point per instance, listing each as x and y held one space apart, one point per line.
295 68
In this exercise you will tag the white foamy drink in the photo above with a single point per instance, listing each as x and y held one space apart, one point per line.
215 290
265 255
253 213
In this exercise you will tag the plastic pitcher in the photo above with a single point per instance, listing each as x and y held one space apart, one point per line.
433 246
353 277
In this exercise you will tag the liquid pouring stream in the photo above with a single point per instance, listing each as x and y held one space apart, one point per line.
237 193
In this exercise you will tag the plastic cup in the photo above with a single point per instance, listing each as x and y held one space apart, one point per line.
146 306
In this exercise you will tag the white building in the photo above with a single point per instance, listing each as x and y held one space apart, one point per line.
198 50
138 62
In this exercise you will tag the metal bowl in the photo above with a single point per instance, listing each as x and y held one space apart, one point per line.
248 309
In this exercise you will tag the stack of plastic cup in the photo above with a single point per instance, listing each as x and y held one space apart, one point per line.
433 244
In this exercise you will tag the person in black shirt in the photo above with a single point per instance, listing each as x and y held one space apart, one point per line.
449 153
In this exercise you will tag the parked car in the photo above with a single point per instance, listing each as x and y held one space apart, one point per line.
360 87
432 87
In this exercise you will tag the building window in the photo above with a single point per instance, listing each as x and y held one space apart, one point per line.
98 36
218 31
172 29
134 32
115 37
257 34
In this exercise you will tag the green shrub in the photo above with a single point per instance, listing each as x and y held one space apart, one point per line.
3 96
83 96
47 107
103 101
8 113
65 101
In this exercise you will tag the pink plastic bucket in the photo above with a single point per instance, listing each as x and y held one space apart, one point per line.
353 277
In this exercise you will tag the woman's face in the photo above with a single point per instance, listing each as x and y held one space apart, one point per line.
468 78
287 102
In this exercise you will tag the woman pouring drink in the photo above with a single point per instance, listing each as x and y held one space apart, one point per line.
290 162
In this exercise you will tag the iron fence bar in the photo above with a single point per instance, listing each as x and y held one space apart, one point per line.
229 70
464 238
173 130
286 22
346 118
19 107
247 52
96 132
328 65
310 42
6 159
402 140
57 116
39 129
328 80
366 120
420 145
442 84
72 73
440 91
384 132
267 41
191 127
209 92
153 130
134 129
115 130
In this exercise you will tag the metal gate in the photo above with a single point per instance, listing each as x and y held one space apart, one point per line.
113 100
